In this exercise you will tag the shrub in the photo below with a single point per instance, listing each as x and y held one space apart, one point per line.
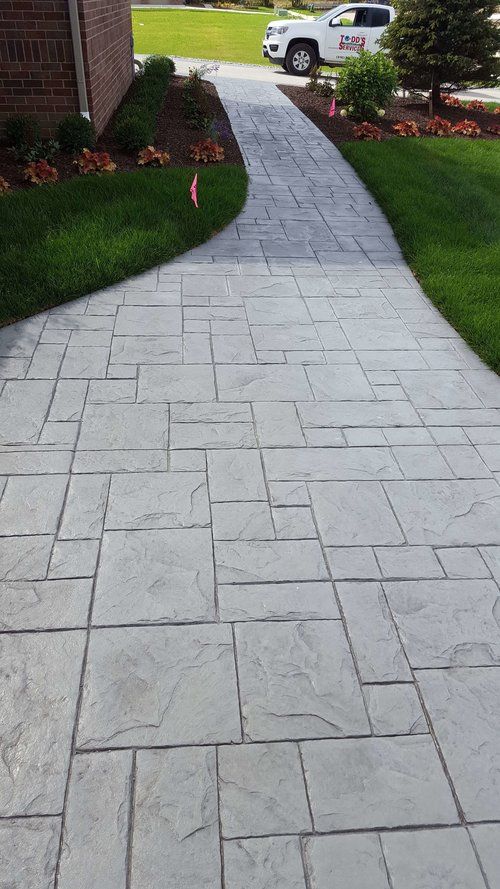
75 133
40 172
438 126
159 66
22 130
467 128
94 162
133 131
322 86
452 101
150 156
194 100
476 105
366 83
4 186
135 123
406 128
367 131
207 151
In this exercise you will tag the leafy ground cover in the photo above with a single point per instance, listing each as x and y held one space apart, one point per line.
226 36
442 198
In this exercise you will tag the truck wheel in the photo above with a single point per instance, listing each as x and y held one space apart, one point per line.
301 59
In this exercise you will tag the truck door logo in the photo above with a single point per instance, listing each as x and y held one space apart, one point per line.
352 43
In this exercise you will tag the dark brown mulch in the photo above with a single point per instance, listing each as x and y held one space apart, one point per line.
173 134
341 129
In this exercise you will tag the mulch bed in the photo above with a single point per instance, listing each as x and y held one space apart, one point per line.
341 129
173 134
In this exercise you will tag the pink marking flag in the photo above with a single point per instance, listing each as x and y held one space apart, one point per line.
332 108
194 191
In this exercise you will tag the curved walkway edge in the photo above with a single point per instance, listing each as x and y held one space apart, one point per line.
249 560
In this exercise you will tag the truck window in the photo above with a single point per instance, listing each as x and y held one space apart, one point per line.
353 18
361 19
379 18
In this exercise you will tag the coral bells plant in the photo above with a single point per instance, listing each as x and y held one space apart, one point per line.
453 101
476 105
150 156
494 130
466 128
94 162
406 128
4 186
207 151
40 173
497 110
367 131
438 126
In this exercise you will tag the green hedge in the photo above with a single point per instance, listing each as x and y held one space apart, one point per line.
135 123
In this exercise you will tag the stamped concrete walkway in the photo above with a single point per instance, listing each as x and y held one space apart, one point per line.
250 546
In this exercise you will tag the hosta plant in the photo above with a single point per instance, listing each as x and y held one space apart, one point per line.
438 126
406 128
207 151
466 128
40 172
476 105
94 162
151 156
367 131
4 186
453 101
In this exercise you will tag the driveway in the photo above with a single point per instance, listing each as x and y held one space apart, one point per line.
249 550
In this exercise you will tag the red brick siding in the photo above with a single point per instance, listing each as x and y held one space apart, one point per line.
106 28
37 71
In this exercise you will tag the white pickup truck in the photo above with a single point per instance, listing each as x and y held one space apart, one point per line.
332 38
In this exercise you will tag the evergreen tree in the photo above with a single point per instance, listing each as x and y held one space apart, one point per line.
434 42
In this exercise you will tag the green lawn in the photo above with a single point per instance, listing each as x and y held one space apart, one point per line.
63 241
442 197
225 36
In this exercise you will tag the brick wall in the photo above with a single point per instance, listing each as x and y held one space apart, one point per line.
37 72
106 31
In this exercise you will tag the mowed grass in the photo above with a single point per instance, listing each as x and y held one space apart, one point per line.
442 198
60 242
225 36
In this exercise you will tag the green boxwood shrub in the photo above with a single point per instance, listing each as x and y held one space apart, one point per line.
22 131
135 124
75 133
366 84
133 131
158 66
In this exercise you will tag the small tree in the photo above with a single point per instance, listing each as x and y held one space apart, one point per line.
433 42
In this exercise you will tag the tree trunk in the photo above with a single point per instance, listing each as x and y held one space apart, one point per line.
434 97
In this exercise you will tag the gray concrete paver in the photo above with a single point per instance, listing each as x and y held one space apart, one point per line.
249 560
